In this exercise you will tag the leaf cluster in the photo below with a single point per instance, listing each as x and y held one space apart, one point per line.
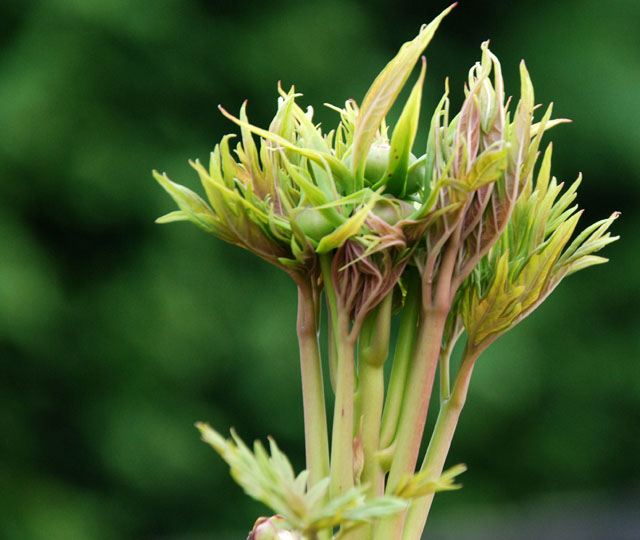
269 477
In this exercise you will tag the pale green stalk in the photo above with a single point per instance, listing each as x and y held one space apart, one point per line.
414 412
341 467
440 443
445 365
445 371
401 360
371 394
433 317
373 349
343 415
315 417
371 389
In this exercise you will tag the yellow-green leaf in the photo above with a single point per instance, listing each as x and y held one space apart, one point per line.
384 91
395 177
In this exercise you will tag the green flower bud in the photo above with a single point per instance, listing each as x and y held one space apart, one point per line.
377 164
313 223
392 210
415 175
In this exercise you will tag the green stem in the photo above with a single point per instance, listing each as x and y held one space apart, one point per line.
341 468
373 349
315 417
433 317
371 388
445 363
401 360
332 309
414 413
417 396
355 532
440 443
342 435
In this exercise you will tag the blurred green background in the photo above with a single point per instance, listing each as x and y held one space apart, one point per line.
117 334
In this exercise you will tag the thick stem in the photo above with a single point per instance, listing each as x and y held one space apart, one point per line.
332 309
417 396
342 435
419 386
371 389
440 443
414 413
315 417
371 396
341 467
401 360
373 348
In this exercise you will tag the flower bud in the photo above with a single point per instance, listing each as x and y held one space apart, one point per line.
392 210
377 163
313 223
271 529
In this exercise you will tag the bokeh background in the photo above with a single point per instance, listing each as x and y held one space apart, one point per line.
116 334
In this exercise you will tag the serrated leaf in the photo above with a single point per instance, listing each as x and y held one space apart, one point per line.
592 239
421 483
487 168
384 91
379 508
189 203
320 158
349 228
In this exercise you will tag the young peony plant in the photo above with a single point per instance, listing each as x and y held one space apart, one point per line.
466 239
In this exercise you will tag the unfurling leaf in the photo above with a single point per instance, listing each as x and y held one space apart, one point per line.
420 484
384 91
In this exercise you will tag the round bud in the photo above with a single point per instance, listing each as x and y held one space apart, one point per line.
415 176
312 223
271 529
392 210
376 166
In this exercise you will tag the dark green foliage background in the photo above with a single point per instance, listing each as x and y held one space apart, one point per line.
117 334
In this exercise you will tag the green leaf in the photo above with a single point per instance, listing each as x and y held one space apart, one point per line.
378 508
434 154
193 207
177 215
384 91
349 228
584 262
251 161
338 168
487 167
395 177
269 478
421 483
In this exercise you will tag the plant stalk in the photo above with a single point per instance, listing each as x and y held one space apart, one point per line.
414 413
433 317
341 466
440 443
445 364
373 349
343 417
315 417
401 360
